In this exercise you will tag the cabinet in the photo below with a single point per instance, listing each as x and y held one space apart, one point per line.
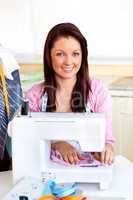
123 124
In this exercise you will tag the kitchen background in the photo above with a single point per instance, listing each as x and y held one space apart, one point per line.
107 25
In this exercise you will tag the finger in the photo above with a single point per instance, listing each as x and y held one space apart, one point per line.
111 160
65 158
97 156
80 157
107 157
71 159
102 159
76 157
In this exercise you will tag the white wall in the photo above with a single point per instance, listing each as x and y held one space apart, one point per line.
107 25
15 25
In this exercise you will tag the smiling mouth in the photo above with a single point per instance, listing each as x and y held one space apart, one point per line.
68 69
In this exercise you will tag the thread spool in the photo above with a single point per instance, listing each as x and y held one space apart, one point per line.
24 107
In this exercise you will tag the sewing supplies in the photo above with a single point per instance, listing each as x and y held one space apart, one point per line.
24 106
62 190
30 188
58 190
54 191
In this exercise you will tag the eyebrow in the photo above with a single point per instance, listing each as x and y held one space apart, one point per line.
63 50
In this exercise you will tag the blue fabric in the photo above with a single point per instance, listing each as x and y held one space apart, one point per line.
9 146
14 96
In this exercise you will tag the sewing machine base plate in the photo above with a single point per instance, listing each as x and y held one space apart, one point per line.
67 174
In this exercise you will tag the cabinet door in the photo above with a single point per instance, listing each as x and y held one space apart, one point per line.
123 125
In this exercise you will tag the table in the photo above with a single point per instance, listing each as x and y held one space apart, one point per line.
5 182
122 185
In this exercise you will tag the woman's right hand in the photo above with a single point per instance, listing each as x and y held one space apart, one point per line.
67 151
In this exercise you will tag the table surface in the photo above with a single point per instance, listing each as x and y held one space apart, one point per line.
122 185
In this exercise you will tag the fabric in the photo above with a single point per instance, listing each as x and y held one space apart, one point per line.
14 98
8 62
68 191
89 161
3 123
99 101
5 163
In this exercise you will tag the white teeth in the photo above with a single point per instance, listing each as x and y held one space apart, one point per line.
68 68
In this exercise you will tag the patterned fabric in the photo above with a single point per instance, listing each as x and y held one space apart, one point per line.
3 123
88 160
14 98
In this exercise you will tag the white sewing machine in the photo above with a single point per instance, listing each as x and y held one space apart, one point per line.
31 139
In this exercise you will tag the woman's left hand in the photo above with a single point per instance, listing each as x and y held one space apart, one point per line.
107 155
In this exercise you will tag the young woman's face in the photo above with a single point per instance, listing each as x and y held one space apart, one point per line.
66 57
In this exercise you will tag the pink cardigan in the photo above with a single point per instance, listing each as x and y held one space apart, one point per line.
99 100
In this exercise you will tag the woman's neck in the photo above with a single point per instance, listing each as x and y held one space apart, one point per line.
65 85
63 94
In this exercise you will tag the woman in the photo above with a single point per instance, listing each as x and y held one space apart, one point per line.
68 88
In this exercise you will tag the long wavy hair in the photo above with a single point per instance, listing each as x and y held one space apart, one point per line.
82 86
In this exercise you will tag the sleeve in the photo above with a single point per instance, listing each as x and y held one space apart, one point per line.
34 97
103 104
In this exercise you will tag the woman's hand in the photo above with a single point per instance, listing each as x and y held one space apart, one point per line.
107 156
67 151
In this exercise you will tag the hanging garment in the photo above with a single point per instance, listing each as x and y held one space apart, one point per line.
10 100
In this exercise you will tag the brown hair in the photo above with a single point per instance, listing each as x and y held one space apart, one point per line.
82 87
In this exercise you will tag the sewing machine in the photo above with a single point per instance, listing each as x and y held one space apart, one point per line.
31 146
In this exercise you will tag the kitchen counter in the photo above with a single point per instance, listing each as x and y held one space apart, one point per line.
122 87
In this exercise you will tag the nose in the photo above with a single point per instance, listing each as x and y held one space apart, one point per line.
68 60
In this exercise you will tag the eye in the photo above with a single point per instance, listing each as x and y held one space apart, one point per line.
75 54
59 54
